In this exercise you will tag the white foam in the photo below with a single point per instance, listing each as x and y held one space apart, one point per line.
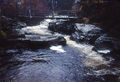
104 51
41 29
58 48
92 59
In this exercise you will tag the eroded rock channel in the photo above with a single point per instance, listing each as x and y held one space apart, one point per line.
60 51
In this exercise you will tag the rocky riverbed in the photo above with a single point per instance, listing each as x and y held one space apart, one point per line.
60 51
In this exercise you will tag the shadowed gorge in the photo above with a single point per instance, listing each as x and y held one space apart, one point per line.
59 41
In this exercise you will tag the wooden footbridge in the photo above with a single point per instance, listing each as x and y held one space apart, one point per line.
62 14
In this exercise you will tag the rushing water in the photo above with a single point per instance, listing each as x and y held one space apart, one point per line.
74 62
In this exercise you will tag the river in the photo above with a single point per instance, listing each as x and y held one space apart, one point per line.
74 62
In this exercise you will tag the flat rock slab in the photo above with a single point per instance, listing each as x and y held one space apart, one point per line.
34 42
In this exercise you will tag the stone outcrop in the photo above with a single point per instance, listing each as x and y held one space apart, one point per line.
31 43
65 27
11 38
105 14
86 33
105 42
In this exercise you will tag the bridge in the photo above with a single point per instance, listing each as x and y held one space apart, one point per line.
62 14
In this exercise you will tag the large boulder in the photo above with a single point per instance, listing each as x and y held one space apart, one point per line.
92 35
105 43
64 27
78 36
87 37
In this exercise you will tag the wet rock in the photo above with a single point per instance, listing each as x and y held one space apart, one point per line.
64 27
92 35
78 36
107 43
7 22
52 26
47 39
33 42
8 26
22 24
87 37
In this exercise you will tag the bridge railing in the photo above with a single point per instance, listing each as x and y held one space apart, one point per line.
43 14
67 12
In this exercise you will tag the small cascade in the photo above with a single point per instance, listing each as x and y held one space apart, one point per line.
59 63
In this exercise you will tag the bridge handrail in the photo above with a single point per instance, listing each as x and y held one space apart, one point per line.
43 14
